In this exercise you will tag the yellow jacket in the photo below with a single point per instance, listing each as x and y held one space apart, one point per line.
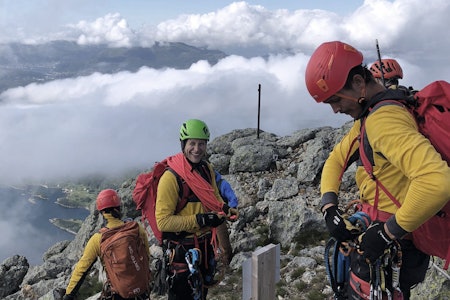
166 203
92 251
405 163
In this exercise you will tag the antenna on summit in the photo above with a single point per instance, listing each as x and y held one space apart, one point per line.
381 63
259 109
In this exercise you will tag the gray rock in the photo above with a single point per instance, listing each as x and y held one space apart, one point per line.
12 272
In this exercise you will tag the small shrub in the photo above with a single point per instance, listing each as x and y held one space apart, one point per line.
315 295
298 272
311 237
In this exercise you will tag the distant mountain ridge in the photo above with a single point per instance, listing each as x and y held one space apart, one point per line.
22 64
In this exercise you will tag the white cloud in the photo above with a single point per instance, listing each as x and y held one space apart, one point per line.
243 26
110 29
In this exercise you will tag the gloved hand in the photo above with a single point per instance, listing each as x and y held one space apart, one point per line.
374 241
209 219
68 297
336 224
231 213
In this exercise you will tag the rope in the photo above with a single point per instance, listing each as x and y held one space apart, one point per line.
329 269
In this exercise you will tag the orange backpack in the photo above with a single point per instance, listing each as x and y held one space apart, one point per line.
125 259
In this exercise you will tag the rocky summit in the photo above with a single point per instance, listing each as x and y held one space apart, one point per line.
277 182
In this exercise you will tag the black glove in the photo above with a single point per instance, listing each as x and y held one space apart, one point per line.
68 297
209 219
374 241
336 224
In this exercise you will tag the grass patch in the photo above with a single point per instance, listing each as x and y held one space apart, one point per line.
315 295
298 272
309 238
263 232
301 286
281 288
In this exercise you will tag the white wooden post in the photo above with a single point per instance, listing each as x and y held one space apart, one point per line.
260 273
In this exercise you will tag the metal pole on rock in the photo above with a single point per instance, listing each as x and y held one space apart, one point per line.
259 109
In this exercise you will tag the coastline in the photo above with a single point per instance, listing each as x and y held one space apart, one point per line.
69 225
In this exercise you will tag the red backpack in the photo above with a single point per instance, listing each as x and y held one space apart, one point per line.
431 109
125 259
144 195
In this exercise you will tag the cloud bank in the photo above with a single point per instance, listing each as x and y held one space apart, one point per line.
109 123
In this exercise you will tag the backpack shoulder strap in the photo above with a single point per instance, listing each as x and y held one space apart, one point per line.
365 150
366 162
183 193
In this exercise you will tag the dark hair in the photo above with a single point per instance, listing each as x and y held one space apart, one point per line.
114 211
391 81
183 144
358 70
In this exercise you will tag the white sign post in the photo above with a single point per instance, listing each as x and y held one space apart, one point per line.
260 273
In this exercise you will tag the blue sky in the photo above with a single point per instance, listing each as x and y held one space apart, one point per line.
267 42
139 12
143 11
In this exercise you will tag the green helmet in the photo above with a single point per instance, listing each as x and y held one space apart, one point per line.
194 129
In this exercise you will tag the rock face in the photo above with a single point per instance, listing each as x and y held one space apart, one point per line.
276 180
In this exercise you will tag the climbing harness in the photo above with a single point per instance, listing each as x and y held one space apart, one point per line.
193 258
337 255
380 288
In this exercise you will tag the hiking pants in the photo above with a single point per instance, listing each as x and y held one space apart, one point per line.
224 241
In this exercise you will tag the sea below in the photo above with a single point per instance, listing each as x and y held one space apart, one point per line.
25 224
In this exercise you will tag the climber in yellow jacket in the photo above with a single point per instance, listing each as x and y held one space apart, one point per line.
403 159
190 231
108 204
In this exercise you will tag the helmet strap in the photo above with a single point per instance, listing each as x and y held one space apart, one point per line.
347 97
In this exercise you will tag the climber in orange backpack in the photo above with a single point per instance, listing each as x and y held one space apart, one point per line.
403 160
190 231
128 272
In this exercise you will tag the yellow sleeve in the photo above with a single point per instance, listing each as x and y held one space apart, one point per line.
90 254
422 174
144 237
335 162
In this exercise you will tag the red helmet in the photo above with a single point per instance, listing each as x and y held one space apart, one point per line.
328 68
107 198
391 69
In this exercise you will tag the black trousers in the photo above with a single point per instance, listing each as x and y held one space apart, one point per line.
118 297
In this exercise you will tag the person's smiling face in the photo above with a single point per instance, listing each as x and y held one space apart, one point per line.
195 150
